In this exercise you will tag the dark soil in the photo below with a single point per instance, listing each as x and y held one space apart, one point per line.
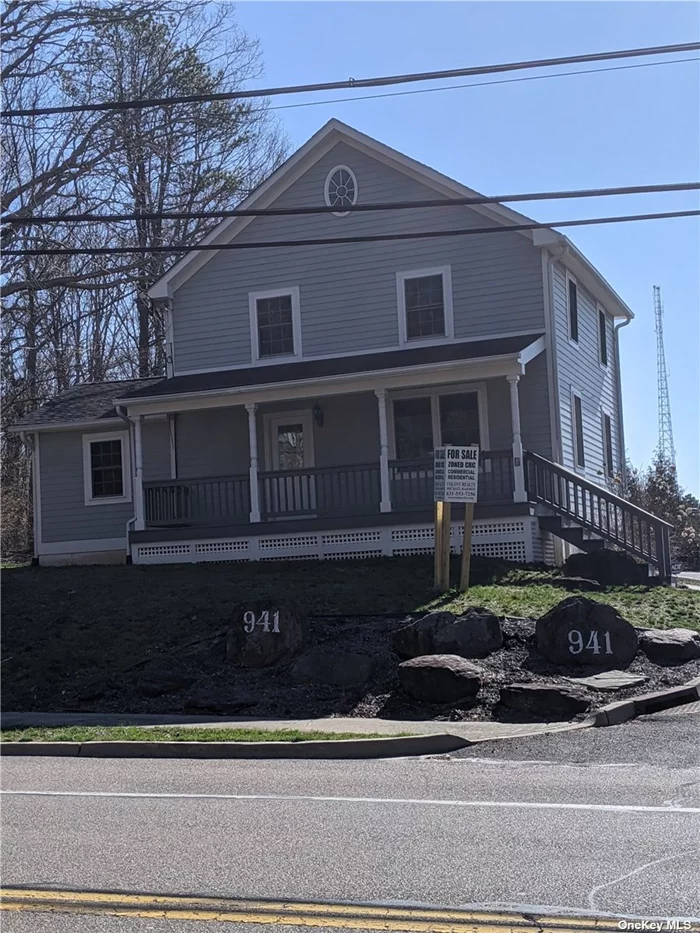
222 688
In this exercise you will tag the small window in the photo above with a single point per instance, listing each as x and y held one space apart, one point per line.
413 428
106 476
579 455
459 419
275 324
573 311
340 189
603 337
608 445
425 307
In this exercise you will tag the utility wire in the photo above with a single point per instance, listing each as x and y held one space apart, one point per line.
355 208
355 83
456 87
323 241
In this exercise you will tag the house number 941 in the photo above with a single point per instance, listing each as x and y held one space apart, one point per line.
268 622
576 645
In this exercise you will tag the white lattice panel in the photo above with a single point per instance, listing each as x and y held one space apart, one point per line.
289 543
221 547
349 538
505 550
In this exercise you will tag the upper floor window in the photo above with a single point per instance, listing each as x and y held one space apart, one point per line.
608 445
340 189
572 302
275 323
106 475
425 304
602 337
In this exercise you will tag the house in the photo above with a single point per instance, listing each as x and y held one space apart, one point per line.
307 386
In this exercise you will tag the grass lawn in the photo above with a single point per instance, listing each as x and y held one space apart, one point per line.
174 734
64 627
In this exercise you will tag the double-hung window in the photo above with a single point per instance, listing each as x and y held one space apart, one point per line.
608 445
106 473
425 305
424 422
577 419
275 324
572 304
602 337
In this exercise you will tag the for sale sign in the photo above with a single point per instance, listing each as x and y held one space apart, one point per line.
456 474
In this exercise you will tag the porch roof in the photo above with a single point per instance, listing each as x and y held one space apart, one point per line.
520 348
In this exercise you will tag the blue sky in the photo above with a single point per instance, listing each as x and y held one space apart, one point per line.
639 126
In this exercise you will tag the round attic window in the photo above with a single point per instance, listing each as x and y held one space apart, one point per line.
341 189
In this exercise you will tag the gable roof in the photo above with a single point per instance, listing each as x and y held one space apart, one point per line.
335 131
296 165
83 404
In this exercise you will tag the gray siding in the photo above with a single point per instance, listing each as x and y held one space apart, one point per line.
64 515
578 368
212 442
155 439
535 408
348 292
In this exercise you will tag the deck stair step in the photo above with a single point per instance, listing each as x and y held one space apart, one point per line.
572 533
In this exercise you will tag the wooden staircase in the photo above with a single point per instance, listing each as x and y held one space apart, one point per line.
589 516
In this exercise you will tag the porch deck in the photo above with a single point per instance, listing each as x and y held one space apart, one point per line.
313 493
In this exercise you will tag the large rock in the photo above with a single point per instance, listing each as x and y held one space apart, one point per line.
608 567
334 668
473 635
671 645
609 680
264 632
581 632
545 701
440 678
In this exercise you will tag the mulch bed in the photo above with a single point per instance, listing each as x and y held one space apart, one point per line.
224 689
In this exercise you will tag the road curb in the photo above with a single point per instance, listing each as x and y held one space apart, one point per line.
401 746
623 710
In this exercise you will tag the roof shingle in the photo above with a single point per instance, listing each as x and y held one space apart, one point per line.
91 401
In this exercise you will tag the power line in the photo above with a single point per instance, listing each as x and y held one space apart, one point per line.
456 87
323 241
355 208
355 83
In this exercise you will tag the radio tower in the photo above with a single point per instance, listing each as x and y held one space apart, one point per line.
666 448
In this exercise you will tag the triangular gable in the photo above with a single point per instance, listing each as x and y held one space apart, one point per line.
294 167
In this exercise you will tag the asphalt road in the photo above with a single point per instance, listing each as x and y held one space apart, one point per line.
597 821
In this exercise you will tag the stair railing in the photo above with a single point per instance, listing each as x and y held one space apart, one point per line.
626 525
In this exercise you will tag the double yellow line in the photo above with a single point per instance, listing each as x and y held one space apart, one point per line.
292 913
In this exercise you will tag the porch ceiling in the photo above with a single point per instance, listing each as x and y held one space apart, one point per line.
442 363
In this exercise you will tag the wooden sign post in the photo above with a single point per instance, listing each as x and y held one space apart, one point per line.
455 477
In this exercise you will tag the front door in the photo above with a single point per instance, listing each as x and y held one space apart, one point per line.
289 451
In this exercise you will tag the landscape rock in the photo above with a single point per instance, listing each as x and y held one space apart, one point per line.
158 684
545 700
440 678
608 567
264 632
334 668
581 632
670 646
473 635
574 583
609 680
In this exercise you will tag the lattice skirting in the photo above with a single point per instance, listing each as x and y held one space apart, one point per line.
517 539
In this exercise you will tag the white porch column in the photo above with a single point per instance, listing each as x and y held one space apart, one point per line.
519 494
139 511
252 408
385 503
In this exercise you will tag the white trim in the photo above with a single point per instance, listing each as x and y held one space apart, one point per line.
83 546
574 342
64 425
172 443
383 349
579 467
384 479
326 195
123 438
550 340
304 158
401 277
36 493
253 298
434 393
254 486
272 418
601 310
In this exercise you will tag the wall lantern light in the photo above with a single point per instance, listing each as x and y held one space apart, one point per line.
317 412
